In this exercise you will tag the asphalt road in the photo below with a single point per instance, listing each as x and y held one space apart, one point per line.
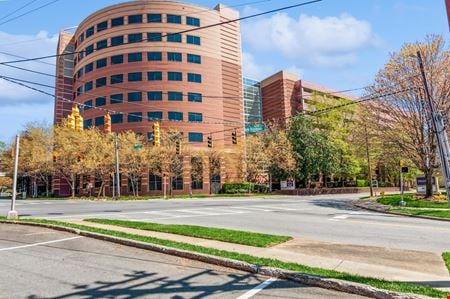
329 218
41 263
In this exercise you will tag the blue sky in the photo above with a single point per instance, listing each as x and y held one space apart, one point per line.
336 43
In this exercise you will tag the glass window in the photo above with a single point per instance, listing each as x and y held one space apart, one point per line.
134 38
154 37
196 78
102 26
115 79
102 44
154 182
99 121
175 76
80 73
193 21
89 32
195 137
134 57
173 56
117 118
117 59
135 19
89 68
154 18
134 96
195 97
117 40
116 98
174 19
79 90
100 82
87 123
192 58
88 86
175 96
194 40
154 76
195 117
155 115
149 136
177 183
176 116
81 38
154 56
117 22
135 77
155 95
101 63
87 105
134 117
174 37
89 50
101 101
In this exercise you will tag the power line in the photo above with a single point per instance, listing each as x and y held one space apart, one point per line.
176 33
28 12
19 9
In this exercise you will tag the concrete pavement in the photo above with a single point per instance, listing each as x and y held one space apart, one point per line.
42 263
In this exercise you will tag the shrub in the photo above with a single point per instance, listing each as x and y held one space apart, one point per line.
242 187
362 183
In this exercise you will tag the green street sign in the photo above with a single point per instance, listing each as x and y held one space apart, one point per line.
138 146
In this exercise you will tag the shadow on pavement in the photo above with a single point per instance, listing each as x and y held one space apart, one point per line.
142 283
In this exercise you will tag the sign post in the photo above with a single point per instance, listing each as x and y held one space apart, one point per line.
12 215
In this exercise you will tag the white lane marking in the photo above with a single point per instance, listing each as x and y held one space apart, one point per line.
38 244
340 217
257 289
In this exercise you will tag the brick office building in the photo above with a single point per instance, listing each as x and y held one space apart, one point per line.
131 60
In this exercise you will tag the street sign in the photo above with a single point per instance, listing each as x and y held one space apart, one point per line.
137 147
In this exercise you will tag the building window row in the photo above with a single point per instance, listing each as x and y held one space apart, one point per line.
139 37
151 96
134 117
138 19
138 57
139 77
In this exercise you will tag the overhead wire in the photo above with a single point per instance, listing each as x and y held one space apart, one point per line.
28 12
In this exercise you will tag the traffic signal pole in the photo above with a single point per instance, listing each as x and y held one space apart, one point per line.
116 152
439 129
12 214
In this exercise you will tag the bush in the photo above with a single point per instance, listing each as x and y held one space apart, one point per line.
243 187
362 183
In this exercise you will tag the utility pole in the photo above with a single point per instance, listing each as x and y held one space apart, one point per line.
12 214
116 151
439 129
369 169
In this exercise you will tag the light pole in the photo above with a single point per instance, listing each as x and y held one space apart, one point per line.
12 214
369 169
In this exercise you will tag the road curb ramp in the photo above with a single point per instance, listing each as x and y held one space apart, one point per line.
326 283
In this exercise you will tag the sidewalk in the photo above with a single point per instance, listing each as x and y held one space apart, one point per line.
386 263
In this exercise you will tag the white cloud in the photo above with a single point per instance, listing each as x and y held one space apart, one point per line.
329 41
296 71
254 70
41 44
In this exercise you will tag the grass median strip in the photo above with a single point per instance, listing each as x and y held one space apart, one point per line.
446 257
432 213
374 282
218 234
394 200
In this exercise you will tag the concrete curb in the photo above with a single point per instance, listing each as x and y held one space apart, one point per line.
359 204
333 284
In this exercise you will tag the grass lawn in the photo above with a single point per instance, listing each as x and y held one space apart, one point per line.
219 234
446 257
374 282
433 213
394 200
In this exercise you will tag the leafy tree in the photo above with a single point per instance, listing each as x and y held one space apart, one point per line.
404 115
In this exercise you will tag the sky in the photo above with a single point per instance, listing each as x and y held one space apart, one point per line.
340 44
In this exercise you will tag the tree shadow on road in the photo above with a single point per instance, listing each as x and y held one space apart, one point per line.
142 283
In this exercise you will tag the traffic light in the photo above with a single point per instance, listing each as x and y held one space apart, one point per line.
156 134
71 121
234 137
210 142
178 147
107 124
55 157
